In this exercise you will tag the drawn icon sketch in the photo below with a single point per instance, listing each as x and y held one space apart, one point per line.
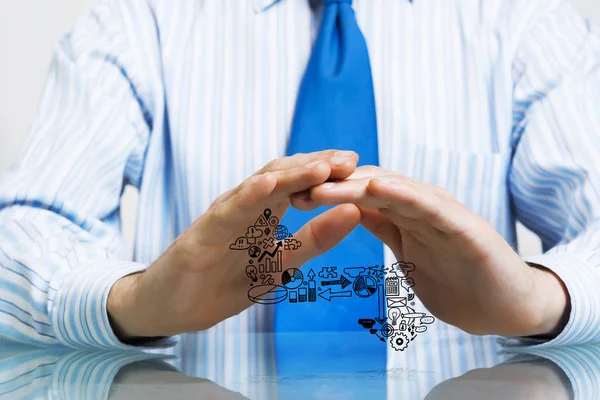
253 233
365 286
270 253
267 241
399 341
394 314
329 294
254 251
281 232
354 272
398 302
240 244
274 221
312 287
343 282
261 222
292 244
267 294
292 278
302 296
328 273
251 273
407 283
392 286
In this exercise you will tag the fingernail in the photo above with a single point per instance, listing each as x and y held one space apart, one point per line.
339 160
313 164
328 185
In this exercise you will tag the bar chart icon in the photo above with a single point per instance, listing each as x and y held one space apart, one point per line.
272 266
278 262
302 295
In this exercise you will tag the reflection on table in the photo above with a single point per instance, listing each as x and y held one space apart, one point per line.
560 373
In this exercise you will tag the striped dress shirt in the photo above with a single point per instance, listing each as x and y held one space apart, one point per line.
495 100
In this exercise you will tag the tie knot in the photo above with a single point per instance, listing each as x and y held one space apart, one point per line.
328 2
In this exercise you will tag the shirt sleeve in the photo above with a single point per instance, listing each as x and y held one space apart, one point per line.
61 248
555 176
60 374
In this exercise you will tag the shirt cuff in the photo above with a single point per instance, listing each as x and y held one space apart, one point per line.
581 280
78 306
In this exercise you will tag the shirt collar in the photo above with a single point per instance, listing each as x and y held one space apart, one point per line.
264 5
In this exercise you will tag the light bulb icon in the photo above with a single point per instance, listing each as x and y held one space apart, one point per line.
251 273
394 313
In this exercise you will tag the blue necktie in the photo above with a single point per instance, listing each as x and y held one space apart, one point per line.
335 109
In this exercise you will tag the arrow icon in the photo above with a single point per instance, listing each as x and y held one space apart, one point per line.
328 294
272 254
342 281
311 274
381 318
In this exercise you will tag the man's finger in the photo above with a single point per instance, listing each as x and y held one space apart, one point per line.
322 233
418 202
302 201
347 191
407 198
299 179
342 163
383 229
268 189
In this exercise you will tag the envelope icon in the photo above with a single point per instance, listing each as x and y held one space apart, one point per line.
395 303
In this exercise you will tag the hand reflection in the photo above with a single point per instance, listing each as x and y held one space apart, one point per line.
536 379
533 373
27 373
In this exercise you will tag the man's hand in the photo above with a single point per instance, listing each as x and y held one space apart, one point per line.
198 281
467 275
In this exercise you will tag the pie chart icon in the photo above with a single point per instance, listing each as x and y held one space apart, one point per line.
267 294
292 278
364 286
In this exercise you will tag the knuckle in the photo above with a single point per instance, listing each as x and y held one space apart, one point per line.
221 198
265 184
273 165
268 178
217 213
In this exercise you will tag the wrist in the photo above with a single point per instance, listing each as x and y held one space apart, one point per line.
555 303
124 313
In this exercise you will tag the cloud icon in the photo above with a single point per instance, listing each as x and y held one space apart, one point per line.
240 244
403 267
253 233
354 272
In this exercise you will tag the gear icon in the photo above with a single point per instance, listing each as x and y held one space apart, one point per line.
399 341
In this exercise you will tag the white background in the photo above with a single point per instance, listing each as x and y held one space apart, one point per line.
28 31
